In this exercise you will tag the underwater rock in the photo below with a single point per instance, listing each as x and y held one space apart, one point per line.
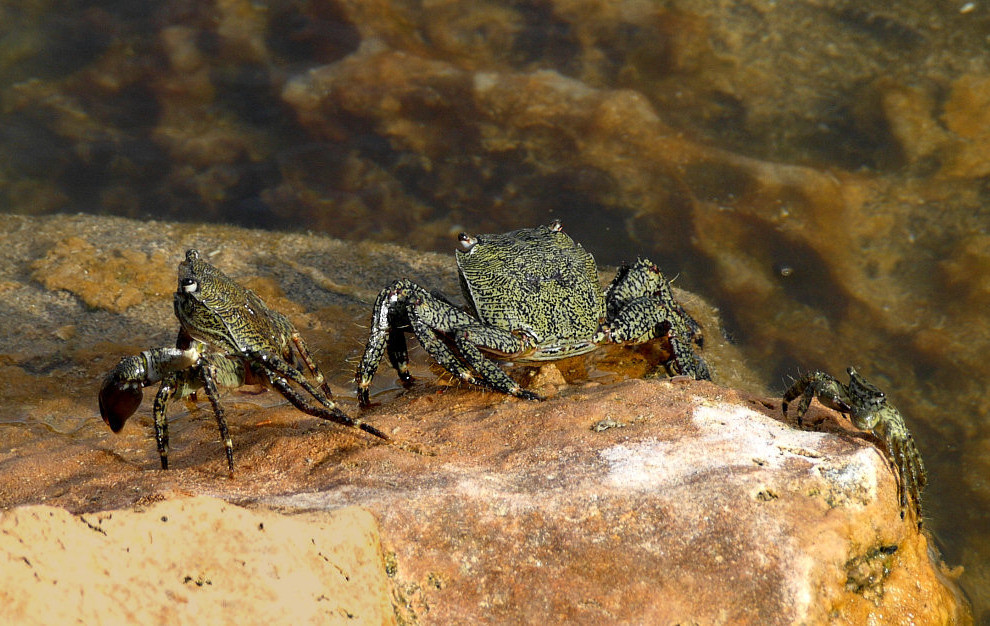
965 114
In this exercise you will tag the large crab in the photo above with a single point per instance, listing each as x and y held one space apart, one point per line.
532 295
227 338
869 410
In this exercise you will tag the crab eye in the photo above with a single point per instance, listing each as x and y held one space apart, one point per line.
467 240
188 285
556 226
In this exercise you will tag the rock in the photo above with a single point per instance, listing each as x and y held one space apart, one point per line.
191 561
966 116
823 268
705 507
616 499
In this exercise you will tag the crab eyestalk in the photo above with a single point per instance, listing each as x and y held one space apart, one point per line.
467 241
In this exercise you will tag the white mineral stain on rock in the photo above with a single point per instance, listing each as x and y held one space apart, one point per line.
643 464
728 435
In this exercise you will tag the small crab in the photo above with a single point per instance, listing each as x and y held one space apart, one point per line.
227 338
533 296
869 410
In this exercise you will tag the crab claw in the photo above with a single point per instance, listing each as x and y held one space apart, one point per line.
121 393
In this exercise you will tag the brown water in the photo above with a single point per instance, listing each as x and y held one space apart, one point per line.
820 174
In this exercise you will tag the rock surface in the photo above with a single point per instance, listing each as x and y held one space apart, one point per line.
615 500
191 561
642 501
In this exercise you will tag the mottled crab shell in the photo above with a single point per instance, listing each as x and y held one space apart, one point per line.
868 401
214 309
534 280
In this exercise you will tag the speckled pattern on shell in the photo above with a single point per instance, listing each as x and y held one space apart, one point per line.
221 313
533 279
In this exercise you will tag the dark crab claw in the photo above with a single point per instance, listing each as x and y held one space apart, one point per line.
121 394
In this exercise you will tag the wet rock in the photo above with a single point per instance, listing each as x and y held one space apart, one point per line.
191 560
819 172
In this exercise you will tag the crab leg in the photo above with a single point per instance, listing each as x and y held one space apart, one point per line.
469 339
334 415
387 325
307 358
398 352
279 370
826 388
637 318
403 306
208 377
905 456
165 394
439 350
642 319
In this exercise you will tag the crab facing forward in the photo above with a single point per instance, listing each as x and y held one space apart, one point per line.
533 296
227 338
869 410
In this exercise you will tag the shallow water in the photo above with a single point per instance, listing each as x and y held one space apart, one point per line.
819 175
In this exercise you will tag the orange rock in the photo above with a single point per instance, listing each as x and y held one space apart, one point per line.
705 508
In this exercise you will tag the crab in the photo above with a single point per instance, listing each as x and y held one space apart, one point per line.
869 410
532 296
228 337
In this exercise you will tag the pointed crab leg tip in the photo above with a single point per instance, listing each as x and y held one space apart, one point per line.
368 428
526 394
